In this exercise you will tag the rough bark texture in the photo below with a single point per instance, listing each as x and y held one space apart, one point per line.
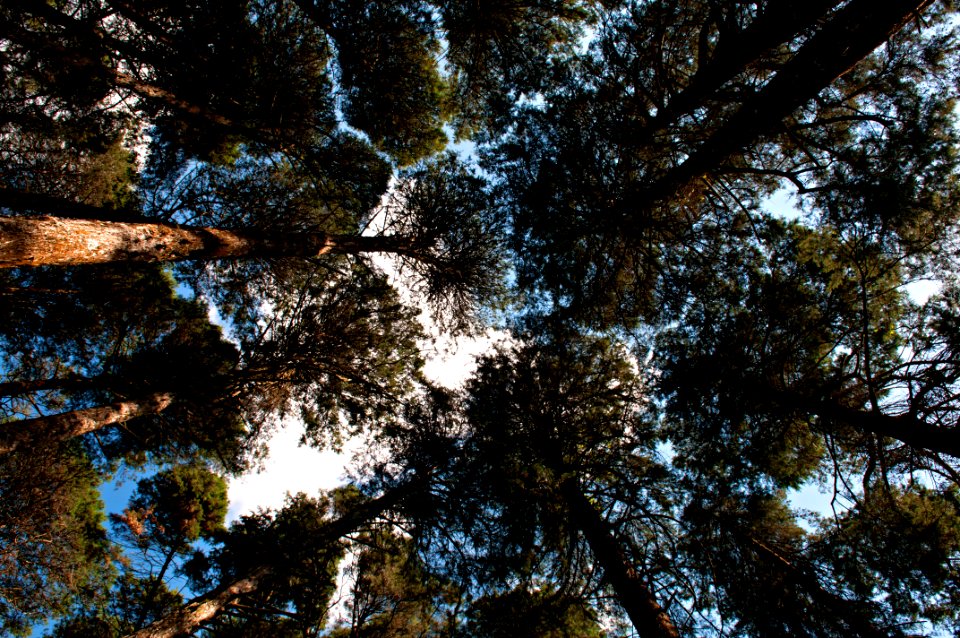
648 617
55 241
61 427
186 619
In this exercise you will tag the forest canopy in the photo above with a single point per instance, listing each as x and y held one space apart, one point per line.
718 239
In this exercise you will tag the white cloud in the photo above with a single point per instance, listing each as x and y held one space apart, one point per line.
451 360
290 468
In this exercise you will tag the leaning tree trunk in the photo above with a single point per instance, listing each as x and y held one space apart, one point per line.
780 22
637 599
187 619
61 427
907 428
56 241
849 36
70 382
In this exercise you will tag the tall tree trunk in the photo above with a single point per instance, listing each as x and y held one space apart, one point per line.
781 22
188 618
69 382
850 35
55 241
61 427
648 617
906 428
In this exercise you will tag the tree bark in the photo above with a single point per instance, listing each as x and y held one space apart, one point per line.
70 382
851 35
905 428
781 22
61 427
55 241
188 618
648 617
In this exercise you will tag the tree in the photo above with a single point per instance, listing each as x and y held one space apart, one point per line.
269 564
553 435
682 359
169 512
392 594
53 548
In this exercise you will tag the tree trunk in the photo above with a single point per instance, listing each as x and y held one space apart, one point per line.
54 241
70 382
905 428
61 427
851 35
781 22
648 617
188 618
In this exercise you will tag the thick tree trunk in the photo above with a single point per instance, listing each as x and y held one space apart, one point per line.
850 35
905 428
736 52
648 617
55 241
61 427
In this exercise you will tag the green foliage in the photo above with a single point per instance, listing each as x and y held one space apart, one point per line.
393 90
456 232
302 560
526 614
176 507
899 546
680 357
502 51
53 547
392 594
131 603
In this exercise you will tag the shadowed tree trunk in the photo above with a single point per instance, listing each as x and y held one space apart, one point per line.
648 617
61 427
71 382
851 35
54 241
735 52
906 428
